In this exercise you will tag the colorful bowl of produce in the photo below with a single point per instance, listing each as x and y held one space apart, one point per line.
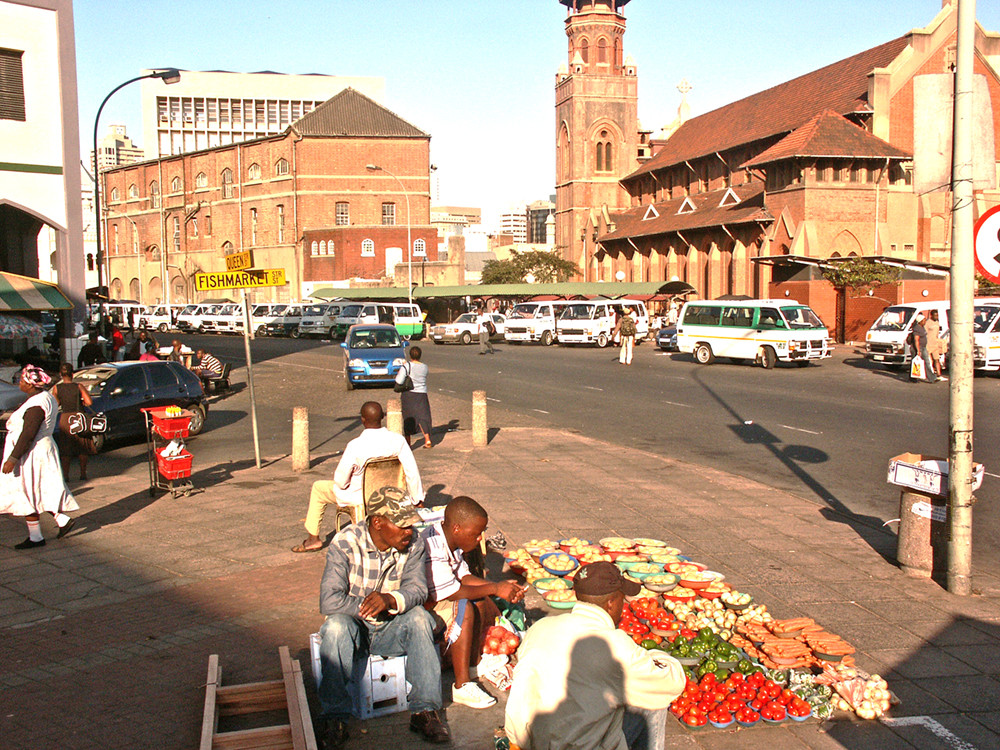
564 599
695 579
680 568
737 600
644 542
680 594
552 584
558 563
661 582
641 571
616 544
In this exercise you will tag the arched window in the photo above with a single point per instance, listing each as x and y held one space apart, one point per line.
605 158
90 261
281 168
585 51
154 194
115 195
602 52
322 247
175 185
201 180
367 248
253 172
133 191
419 247
562 153
227 183
315 247
227 248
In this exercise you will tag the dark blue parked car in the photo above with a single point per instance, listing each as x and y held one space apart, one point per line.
372 354
121 389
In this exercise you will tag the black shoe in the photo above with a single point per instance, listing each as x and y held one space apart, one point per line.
28 544
335 734
430 726
64 530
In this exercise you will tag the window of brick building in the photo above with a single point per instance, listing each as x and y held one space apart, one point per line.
821 175
194 226
602 51
419 247
343 213
201 180
253 172
253 226
281 223
367 248
227 183
133 191
208 224
314 248
605 162
115 195
227 248
11 85
322 247
388 214
281 168
175 185
177 234
116 239
585 51
154 194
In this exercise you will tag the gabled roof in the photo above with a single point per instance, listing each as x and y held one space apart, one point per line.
351 113
841 87
707 213
829 135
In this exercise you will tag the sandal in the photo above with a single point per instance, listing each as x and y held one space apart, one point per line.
428 445
303 548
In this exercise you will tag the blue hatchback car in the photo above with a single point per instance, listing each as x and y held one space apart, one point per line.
372 354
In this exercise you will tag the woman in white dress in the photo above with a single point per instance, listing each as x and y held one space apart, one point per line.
31 480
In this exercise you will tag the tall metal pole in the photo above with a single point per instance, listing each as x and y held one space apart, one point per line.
961 313
253 398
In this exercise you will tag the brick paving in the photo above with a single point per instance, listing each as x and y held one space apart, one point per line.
105 635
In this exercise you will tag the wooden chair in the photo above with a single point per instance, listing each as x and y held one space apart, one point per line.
376 474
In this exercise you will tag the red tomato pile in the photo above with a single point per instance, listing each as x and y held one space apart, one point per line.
739 698
640 615
499 640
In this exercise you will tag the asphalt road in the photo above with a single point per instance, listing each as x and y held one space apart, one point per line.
825 432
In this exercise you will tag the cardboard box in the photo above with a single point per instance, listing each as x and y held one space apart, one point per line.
926 474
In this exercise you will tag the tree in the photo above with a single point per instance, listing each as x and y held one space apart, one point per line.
545 267
860 274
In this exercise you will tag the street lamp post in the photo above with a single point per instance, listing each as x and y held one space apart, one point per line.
409 241
170 75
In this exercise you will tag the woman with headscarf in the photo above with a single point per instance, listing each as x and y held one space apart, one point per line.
72 397
415 405
31 480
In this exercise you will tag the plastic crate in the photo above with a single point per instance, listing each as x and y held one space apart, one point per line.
378 686
171 427
175 467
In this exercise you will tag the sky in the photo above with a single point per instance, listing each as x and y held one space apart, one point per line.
479 75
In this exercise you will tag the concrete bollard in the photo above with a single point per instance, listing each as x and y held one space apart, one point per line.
480 427
300 439
394 416
922 544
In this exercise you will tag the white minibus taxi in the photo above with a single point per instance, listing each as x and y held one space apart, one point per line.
763 330
885 341
407 318
593 321
986 336
319 319
533 321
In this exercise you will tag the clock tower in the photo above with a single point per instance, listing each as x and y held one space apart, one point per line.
597 126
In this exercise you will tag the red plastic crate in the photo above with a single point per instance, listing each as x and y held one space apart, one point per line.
175 467
171 427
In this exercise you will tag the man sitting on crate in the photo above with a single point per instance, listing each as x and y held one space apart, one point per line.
372 590
345 489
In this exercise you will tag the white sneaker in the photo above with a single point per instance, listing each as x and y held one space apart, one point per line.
471 695
488 664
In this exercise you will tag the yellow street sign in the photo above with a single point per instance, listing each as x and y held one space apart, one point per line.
208 282
239 261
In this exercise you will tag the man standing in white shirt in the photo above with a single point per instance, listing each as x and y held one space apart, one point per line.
347 485
459 601
484 331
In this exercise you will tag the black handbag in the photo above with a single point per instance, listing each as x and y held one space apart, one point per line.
406 385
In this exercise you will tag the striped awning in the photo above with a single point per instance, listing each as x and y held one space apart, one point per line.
25 293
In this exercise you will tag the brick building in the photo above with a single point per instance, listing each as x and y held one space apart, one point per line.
304 200
846 160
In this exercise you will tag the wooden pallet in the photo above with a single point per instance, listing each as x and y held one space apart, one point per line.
288 693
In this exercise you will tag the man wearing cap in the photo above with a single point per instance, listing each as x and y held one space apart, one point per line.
346 487
371 592
581 683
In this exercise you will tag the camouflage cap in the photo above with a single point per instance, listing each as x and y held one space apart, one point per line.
394 505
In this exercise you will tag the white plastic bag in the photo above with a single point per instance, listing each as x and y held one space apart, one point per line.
917 369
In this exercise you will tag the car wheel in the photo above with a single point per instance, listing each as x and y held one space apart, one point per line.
768 359
332 333
162 328
201 329
703 354
547 338
466 338
261 330
602 340
98 440
198 420
294 333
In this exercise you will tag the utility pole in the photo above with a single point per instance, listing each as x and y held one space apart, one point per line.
961 314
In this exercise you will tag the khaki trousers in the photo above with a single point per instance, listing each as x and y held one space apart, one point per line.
324 492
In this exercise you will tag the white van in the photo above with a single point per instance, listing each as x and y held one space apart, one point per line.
885 341
533 321
763 330
319 320
160 317
192 318
285 320
126 313
407 318
986 336
593 321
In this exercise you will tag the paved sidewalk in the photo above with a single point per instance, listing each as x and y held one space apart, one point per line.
106 633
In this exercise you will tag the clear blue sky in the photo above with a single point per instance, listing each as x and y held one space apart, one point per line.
479 75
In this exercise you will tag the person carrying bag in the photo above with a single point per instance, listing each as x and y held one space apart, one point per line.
406 384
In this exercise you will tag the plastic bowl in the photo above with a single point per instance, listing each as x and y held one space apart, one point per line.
552 584
800 718
721 724
747 723
661 587
555 571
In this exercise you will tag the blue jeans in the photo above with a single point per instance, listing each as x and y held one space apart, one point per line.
347 639
645 729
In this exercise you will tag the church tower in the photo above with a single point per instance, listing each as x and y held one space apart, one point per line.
597 126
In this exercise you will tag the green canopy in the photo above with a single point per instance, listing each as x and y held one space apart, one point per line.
611 289
26 293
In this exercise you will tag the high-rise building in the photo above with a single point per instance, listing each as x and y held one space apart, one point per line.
116 149
215 108
515 224
538 214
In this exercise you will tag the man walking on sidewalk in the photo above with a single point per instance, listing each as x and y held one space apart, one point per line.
347 485
485 323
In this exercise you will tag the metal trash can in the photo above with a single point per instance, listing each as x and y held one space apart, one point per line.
922 544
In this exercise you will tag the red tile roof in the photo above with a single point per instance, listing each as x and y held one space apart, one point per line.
841 87
707 213
829 135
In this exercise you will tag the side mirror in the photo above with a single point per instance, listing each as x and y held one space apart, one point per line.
343 345
118 391
406 344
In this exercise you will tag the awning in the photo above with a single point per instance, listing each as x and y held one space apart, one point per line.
610 289
25 293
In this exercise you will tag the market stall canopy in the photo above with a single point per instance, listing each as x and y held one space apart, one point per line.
25 293
610 289
16 327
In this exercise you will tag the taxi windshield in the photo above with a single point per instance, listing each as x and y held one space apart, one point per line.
985 315
523 311
801 317
894 318
578 312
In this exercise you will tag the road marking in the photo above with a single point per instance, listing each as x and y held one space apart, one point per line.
996 476
444 390
593 388
799 429
933 726
540 411
892 408
297 367
674 403
493 399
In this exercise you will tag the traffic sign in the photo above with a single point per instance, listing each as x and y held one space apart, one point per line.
208 282
239 261
988 244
